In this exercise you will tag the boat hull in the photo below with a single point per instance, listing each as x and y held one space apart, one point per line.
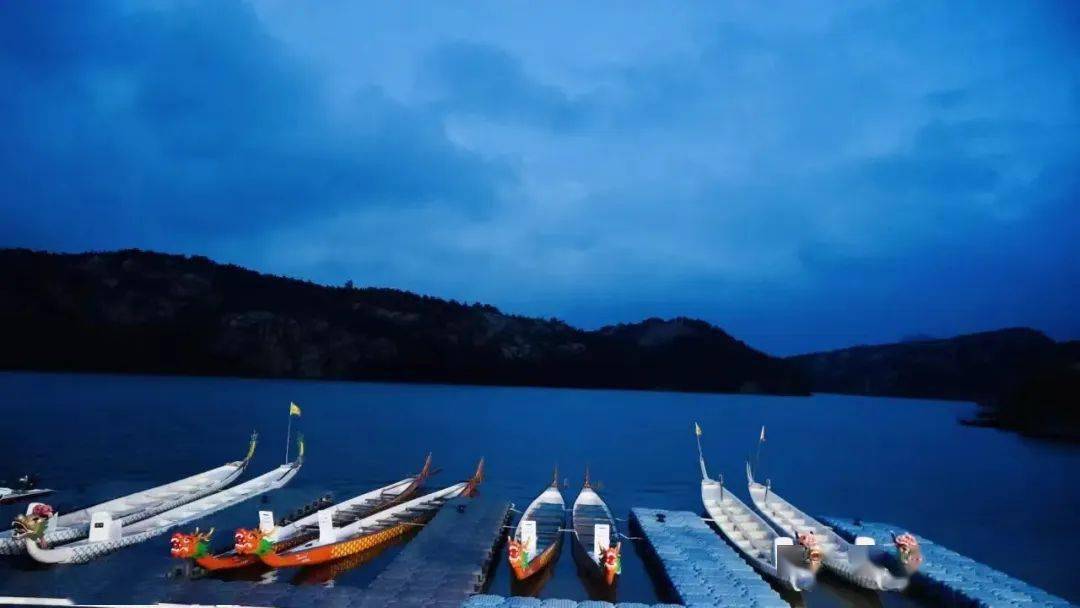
228 561
542 561
15 497
591 567
338 550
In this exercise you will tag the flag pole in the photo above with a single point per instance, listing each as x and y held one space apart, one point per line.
701 457
288 436
757 456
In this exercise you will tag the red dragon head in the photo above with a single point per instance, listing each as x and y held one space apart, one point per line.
611 560
811 550
251 542
190 546
907 546
516 553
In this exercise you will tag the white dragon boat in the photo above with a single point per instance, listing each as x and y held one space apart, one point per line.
538 537
772 554
594 531
128 509
108 535
861 563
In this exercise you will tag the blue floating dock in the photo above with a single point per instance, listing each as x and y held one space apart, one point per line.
448 561
497 601
950 579
701 567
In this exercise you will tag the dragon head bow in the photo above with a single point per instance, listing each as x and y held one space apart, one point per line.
252 542
32 525
811 550
907 547
190 546
515 550
611 560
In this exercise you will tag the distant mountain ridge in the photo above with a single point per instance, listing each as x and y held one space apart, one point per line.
139 311
1025 380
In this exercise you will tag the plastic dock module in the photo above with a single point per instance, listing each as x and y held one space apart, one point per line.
950 579
702 569
496 601
449 559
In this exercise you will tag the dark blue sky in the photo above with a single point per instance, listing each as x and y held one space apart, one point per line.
806 175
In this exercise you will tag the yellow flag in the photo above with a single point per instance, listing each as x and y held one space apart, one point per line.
697 429
294 410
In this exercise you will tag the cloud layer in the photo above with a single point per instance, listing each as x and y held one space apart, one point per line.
806 178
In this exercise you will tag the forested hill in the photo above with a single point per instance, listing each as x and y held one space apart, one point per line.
138 311
1025 380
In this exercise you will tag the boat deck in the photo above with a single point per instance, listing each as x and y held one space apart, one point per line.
549 518
947 578
448 561
585 519
701 568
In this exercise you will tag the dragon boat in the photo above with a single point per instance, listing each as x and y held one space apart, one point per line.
372 531
108 535
773 554
594 530
250 544
25 489
538 537
67 527
863 563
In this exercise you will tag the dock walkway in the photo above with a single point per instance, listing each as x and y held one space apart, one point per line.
448 561
701 568
950 579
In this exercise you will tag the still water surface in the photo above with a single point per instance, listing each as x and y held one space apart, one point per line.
1007 501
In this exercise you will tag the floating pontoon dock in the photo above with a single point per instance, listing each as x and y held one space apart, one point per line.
950 579
448 561
699 565
496 601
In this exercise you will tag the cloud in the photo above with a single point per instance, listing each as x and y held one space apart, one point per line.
175 124
805 177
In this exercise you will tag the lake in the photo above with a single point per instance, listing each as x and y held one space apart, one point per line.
1010 502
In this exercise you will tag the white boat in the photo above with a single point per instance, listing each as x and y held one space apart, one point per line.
24 490
772 554
128 509
538 537
861 563
595 546
108 535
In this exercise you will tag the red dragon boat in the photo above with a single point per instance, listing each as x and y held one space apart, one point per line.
251 544
372 531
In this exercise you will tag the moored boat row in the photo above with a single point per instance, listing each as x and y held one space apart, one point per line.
67 527
538 537
789 546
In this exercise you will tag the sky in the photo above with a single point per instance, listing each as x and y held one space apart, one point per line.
805 175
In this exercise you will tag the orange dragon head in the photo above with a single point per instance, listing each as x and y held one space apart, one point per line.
515 551
611 561
811 550
190 546
907 547
252 542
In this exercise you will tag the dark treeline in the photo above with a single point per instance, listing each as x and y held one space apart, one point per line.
137 311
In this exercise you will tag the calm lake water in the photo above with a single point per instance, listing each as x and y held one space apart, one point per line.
1010 502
